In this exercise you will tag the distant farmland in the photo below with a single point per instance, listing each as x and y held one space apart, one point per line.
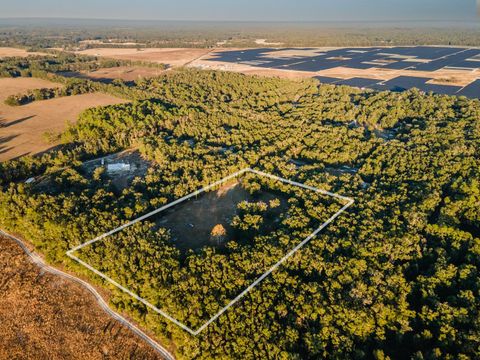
22 128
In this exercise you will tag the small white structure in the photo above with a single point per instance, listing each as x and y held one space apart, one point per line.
118 167
29 180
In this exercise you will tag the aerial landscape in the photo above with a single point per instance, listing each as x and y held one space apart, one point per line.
214 180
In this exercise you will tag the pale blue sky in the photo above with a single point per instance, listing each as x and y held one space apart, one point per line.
245 10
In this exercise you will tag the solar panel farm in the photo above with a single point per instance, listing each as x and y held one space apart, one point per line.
441 70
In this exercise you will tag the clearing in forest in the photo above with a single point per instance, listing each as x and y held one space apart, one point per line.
193 258
107 75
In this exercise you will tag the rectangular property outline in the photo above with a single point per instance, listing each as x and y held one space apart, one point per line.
70 252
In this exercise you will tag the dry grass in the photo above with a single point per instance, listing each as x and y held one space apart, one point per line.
10 86
125 73
22 128
43 316
9 52
173 57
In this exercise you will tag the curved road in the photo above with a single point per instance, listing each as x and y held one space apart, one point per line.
40 263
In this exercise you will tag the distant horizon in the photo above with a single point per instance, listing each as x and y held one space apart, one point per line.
391 23
219 20
247 10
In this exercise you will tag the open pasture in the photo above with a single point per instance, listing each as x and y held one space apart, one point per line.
22 128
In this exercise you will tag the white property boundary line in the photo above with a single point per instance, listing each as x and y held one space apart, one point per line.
195 193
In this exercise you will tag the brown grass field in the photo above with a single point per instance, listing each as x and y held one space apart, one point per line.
173 57
125 73
9 52
22 128
43 316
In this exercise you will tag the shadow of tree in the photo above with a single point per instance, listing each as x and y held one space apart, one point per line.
5 124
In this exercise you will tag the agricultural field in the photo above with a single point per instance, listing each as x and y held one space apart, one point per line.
173 57
11 51
23 128
107 75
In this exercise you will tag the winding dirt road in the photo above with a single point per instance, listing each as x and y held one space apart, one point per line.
41 264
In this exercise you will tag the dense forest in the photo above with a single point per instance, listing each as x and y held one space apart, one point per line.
396 276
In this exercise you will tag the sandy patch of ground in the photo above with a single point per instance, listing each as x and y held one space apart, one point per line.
290 53
22 128
265 42
9 52
191 229
171 56
205 64
115 42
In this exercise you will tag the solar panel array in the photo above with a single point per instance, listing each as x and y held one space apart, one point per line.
414 58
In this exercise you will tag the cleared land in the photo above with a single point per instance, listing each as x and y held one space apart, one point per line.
45 317
173 57
22 128
10 52
125 73
191 229
121 168
251 70
205 62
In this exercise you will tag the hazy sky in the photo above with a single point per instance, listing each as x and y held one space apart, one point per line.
248 10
